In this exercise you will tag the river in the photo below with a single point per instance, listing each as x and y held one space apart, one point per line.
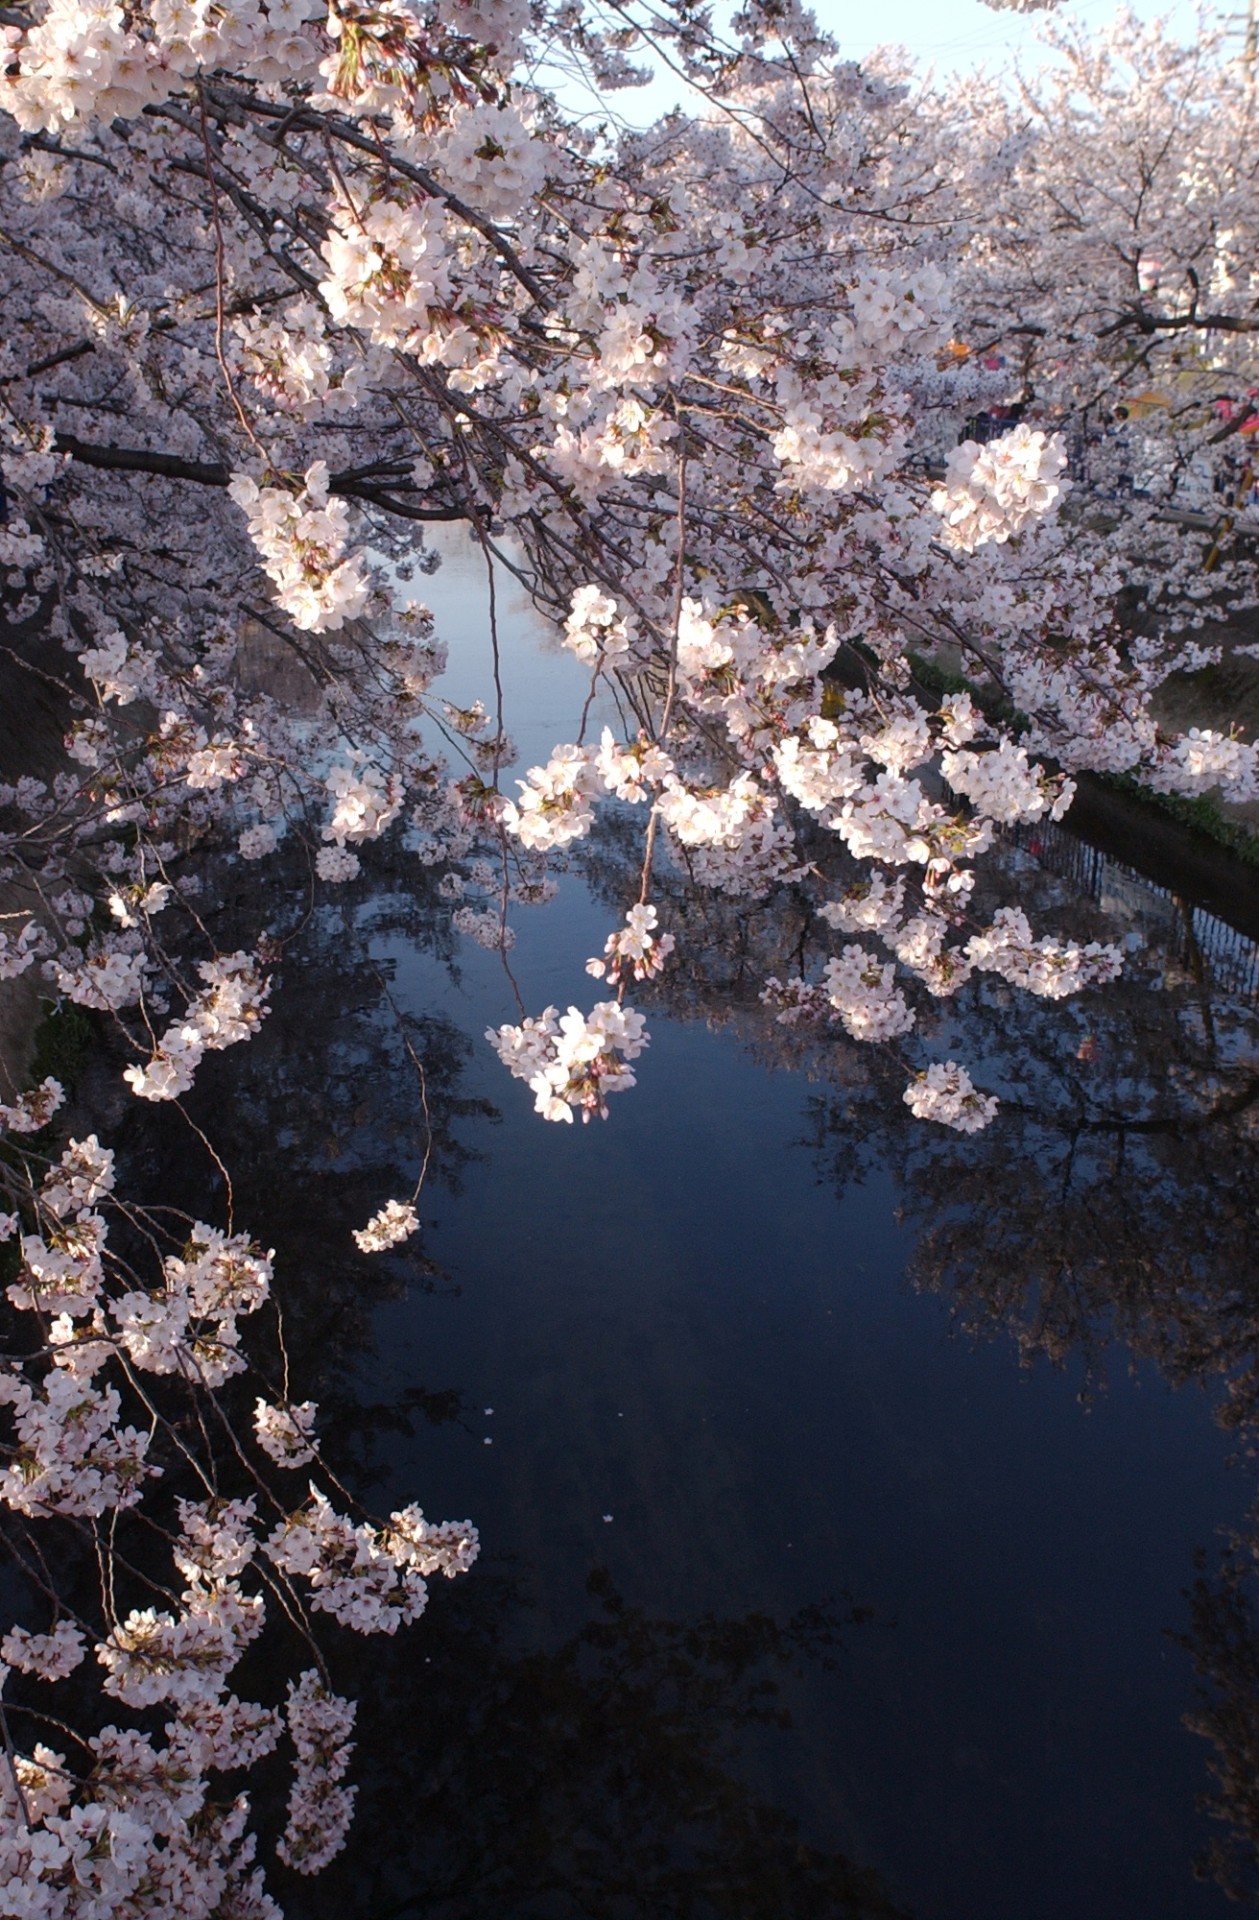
842 1487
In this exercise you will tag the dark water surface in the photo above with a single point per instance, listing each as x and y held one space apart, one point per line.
676 1325
844 1483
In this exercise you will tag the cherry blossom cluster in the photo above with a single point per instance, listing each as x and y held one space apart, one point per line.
32 1110
320 1807
862 994
634 952
1006 786
286 1433
301 539
944 1093
1053 969
572 1062
396 1221
136 1822
228 1010
18 952
426 321
368 1578
555 804
595 628
992 492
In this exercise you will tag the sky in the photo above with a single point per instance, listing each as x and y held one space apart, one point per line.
958 35
953 36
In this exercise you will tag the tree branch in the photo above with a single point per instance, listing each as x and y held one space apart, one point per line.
1153 323
376 486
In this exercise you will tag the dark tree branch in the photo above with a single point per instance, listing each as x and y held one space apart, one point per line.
1154 323
379 485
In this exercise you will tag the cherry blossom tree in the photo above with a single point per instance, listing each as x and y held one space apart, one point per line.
1110 270
429 297
283 285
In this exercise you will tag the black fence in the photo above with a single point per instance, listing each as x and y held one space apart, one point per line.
1190 937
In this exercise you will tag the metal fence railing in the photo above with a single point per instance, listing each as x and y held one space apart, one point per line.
1190 936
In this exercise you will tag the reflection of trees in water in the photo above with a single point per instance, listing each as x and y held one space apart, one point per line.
326 1123
595 1782
325 1092
1116 1194
1224 1641
597 1779
1114 1200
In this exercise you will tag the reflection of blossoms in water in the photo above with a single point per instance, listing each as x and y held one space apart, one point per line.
485 926
337 863
256 842
794 1002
